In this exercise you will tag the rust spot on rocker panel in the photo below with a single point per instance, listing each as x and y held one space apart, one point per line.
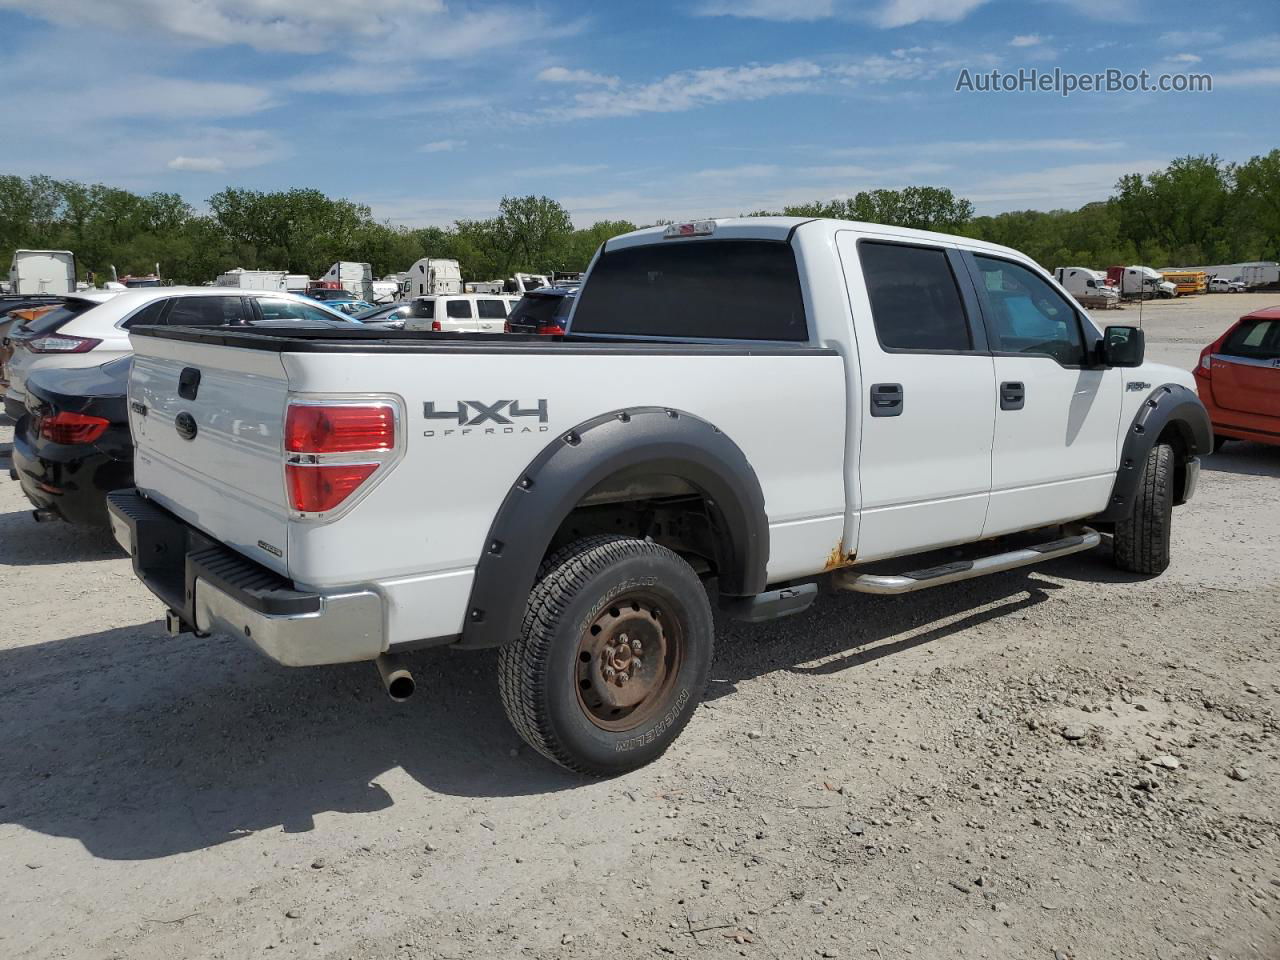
837 558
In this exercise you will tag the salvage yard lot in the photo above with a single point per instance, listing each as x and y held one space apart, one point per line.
1061 759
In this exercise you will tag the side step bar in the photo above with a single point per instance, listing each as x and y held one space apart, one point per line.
914 580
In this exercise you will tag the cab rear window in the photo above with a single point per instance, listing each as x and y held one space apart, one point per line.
702 289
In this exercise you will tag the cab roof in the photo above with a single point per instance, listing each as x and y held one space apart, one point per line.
782 228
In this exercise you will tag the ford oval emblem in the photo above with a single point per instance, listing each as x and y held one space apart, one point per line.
185 424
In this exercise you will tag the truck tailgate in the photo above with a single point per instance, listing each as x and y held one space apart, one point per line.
207 423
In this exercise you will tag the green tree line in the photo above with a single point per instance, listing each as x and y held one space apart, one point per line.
1197 210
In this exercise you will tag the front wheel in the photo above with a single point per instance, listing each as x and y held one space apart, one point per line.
1141 543
612 658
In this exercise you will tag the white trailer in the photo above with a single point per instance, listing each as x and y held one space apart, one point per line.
431 276
42 271
355 278
1259 274
252 279
296 282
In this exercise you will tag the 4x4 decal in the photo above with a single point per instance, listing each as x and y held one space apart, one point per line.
485 412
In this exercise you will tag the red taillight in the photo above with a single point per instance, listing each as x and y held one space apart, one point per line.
73 428
1205 367
59 343
550 330
316 489
319 440
506 327
339 429
435 327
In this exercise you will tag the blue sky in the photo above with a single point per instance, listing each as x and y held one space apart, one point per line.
429 111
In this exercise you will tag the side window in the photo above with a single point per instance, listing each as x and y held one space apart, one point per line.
205 312
915 302
1258 341
491 309
458 309
148 315
1028 315
292 310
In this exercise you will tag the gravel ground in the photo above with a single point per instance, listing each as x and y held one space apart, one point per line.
1065 762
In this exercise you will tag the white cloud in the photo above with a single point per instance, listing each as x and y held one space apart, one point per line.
1261 77
1189 38
1025 40
581 77
293 25
767 9
1259 48
1044 189
1184 58
145 96
355 79
442 146
198 164
901 13
561 170
688 89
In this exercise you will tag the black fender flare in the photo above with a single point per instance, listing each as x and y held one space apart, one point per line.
1169 403
641 440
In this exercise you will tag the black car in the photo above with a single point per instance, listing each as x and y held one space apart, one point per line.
73 446
544 311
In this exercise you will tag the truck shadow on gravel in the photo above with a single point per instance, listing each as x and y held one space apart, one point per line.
140 746
25 543
847 630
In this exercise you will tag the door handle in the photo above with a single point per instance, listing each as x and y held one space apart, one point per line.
1013 395
886 399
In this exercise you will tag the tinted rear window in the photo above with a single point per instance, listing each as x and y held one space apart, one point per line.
55 318
423 309
721 289
915 303
537 309
1258 340
491 309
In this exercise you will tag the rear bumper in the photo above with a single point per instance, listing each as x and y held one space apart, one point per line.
212 589
74 488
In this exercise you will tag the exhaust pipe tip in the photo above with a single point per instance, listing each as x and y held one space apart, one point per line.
44 515
398 681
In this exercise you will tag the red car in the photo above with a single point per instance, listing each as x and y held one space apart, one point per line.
1239 379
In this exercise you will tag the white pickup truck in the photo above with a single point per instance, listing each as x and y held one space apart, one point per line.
739 410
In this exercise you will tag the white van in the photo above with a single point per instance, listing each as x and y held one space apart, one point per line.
460 313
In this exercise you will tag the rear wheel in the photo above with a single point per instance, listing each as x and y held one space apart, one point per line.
1141 543
612 658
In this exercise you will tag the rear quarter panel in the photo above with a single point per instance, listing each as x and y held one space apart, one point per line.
426 523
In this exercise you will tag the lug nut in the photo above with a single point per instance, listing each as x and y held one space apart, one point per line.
609 673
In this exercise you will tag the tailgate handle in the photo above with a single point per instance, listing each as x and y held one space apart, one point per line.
188 383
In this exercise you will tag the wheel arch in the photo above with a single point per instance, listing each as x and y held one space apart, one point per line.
613 448
1171 414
